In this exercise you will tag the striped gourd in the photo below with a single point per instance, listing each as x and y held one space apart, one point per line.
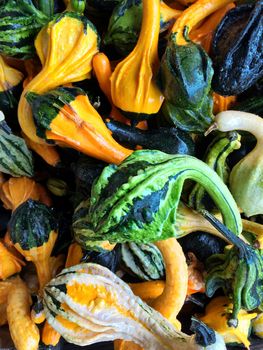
216 155
87 304
142 260
15 157
20 22
138 200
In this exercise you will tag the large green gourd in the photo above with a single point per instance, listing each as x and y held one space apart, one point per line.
138 200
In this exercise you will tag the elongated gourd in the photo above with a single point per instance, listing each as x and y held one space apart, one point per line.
66 115
65 48
33 230
246 177
142 195
23 330
87 304
133 88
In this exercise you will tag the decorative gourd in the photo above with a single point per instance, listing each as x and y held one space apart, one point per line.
66 115
251 105
10 88
125 23
223 103
148 291
88 304
203 34
49 154
23 330
142 260
215 157
76 6
65 48
19 25
169 140
75 254
35 238
50 336
16 191
9 263
216 313
237 50
37 312
246 177
138 200
257 325
57 187
186 72
15 158
133 88
239 271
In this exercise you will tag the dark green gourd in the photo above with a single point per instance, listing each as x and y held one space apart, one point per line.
138 200
20 21
238 49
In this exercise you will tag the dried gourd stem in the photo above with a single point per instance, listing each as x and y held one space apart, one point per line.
195 14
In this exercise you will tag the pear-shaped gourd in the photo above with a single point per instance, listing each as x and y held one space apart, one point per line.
133 88
246 178
65 47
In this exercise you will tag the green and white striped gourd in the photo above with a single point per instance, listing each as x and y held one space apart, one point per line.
145 261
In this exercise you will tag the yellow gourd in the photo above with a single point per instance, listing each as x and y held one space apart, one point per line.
216 317
133 88
65 48
9 77
23 330
257 325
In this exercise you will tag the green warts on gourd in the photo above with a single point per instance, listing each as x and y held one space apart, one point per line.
246 178
138 200
215 156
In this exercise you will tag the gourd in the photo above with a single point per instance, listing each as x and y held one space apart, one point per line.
186 72
215 316
142 260
76 6
251 105
257 325
65 48
165 139
245 180
239 271
35 239
223 103
66 115
23 330
133 88
237 50
49 335
125 23
15 158
75 254
16 191
19 25
138 200
87 304
9 263
215 156
10 88
49 154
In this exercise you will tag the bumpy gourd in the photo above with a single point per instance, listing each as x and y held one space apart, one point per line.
215 316
125 23
66 115
138 200
246 177
88 304
20 21
237 49
186 72
239 271
33 230
65 48
15 157
133 88
215 156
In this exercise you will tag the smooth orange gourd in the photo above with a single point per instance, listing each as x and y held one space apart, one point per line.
222 103
133 86
9 263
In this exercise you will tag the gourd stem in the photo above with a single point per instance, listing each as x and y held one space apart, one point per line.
195 14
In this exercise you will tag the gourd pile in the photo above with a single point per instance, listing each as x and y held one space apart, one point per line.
131 173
